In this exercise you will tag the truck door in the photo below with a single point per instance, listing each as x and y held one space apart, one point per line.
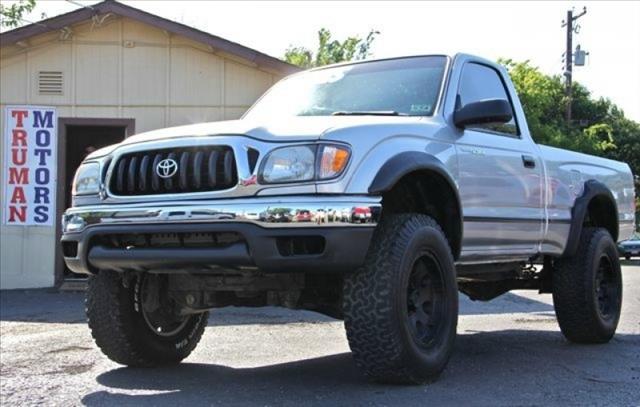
500 176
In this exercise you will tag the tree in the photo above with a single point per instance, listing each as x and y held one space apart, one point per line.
599 127
11 16
331 51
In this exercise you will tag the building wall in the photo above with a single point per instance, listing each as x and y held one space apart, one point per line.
116 69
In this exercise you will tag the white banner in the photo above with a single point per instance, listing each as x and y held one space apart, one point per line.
30 141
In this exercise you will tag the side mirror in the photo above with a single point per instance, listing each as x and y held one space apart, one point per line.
484 111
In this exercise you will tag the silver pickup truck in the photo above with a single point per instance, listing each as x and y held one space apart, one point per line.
371 192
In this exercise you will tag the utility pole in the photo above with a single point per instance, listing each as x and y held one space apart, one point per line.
568 57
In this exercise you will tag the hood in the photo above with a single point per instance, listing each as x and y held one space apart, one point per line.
289 129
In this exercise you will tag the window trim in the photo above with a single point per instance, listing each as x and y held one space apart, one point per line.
518 134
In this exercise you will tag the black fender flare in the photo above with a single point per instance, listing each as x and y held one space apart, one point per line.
592 189
404 163
407 162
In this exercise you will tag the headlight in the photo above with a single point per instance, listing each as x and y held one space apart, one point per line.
304 163
87 179
290 164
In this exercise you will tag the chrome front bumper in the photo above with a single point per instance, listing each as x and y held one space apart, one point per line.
264 225
268 212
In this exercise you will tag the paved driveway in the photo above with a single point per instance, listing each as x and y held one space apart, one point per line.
509 352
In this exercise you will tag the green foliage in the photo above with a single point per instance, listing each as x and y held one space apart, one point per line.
11 16
299 56
331 51
599 127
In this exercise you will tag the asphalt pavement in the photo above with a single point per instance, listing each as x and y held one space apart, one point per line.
509 352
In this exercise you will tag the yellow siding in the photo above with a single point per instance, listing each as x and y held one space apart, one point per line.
106 112
147 118
109 31
120 69
182 115
55 57
149 88
97 78
196 78
128 67
13 79
135 31
232 113
244 84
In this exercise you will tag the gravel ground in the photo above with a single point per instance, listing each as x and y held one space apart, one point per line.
509 352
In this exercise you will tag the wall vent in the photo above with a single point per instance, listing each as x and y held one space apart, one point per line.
50 83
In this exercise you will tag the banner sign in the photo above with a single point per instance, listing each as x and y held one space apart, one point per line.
30 141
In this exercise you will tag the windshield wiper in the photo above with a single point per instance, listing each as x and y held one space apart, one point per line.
369 113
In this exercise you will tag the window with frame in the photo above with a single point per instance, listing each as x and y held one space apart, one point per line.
479 82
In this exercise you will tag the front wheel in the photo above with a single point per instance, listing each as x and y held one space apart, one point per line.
134 323
401 308
587 289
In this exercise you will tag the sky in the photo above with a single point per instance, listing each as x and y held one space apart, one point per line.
610 31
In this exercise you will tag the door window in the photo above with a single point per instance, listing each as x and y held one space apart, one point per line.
479 82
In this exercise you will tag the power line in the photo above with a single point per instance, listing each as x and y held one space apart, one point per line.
77 3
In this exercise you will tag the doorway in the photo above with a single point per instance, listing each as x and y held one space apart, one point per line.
77 139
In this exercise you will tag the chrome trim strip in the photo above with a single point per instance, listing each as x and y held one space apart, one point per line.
272 212
498 219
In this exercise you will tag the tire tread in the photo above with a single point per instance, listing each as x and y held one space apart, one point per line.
109 308
572 296
369 323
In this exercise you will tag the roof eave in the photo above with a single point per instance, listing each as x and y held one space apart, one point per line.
58 22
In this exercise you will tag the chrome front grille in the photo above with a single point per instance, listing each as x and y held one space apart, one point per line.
199 169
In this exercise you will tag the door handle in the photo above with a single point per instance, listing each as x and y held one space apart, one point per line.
528 161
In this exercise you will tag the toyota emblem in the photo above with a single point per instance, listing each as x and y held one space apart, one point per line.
167 168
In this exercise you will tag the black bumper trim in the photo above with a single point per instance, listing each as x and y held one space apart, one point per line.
104 258
345 249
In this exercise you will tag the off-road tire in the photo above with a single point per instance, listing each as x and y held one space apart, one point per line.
575 289
120 331
376 303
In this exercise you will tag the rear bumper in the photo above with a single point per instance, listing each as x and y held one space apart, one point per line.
267 230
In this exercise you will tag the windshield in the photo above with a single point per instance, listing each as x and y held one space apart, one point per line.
403 87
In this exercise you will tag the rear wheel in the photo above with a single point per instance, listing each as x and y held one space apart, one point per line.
587 289
134 323
401 308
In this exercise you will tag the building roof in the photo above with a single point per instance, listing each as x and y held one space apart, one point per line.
111 6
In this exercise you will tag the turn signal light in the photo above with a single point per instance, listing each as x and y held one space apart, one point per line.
333 160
